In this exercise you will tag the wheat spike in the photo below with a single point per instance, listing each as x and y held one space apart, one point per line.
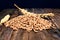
25 12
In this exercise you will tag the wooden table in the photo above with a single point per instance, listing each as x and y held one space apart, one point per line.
50 34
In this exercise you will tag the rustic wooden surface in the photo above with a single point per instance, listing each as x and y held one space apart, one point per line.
50 34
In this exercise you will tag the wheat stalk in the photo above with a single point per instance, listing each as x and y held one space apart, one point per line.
25 12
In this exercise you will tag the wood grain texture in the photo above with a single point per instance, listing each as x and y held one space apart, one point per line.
56 20
49 34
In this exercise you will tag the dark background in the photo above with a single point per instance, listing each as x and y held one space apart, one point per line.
5 4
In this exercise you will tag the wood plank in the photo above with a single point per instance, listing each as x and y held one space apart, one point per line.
56 20
37 36
1 31
14 34
20 35
52 34
43 35
6 35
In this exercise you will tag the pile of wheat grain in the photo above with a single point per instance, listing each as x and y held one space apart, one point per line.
28 22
